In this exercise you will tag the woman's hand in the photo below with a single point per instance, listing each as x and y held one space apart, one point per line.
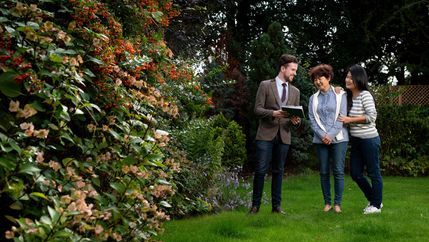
345 119
326 140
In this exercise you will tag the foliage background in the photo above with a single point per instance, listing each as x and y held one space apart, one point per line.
82 155
105 133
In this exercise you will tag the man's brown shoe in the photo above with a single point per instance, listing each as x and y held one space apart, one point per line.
254 210
278 210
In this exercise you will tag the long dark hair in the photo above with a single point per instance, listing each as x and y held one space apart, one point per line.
360 79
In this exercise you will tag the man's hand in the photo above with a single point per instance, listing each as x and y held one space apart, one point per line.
278 114
295 120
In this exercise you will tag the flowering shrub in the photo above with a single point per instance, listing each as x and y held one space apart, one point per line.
81 156
213 147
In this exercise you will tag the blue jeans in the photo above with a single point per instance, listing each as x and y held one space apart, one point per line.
337 154
273 152
365 153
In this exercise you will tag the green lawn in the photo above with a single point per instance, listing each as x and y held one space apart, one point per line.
404 217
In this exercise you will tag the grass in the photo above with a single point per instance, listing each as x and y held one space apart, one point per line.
405 216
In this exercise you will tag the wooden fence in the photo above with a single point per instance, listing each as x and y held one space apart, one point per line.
402 95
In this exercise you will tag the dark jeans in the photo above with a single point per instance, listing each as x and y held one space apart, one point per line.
337 154
365 153
273 152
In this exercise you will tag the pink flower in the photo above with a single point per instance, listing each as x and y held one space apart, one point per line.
91 127
61 35
54 165
25 126
98 229
39 157
80 184
9 234
27 112
41 133
13 106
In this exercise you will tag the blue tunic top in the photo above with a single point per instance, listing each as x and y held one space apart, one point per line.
326 109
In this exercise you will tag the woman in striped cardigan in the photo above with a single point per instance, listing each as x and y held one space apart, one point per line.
364 138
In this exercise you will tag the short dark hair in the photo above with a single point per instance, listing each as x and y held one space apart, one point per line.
321 70
286 59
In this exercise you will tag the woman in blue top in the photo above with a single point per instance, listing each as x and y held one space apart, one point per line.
365 141
330 135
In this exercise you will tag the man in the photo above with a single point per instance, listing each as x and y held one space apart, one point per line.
273 136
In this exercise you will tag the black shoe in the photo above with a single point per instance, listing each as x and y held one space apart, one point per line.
254 210
278 210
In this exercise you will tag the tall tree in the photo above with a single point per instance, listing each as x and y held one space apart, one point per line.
390 37
384 35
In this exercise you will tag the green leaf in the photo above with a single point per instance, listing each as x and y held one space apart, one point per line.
96 107
64 234
24 197
8 86
155 157
62 51
54 214
38 106
67 137
53 126
3 137
15 189
119 187
129 160
79 78
15 146
10 30
96 181
7 163
91 106
38 194
55 58
6 121
64 114
17 205
66 161
165 204
162 181
137 123
78 112
10 218
44 72
154 163
157 16
115 134
29 169
6 148
46 220
95 60
33 25
88 72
